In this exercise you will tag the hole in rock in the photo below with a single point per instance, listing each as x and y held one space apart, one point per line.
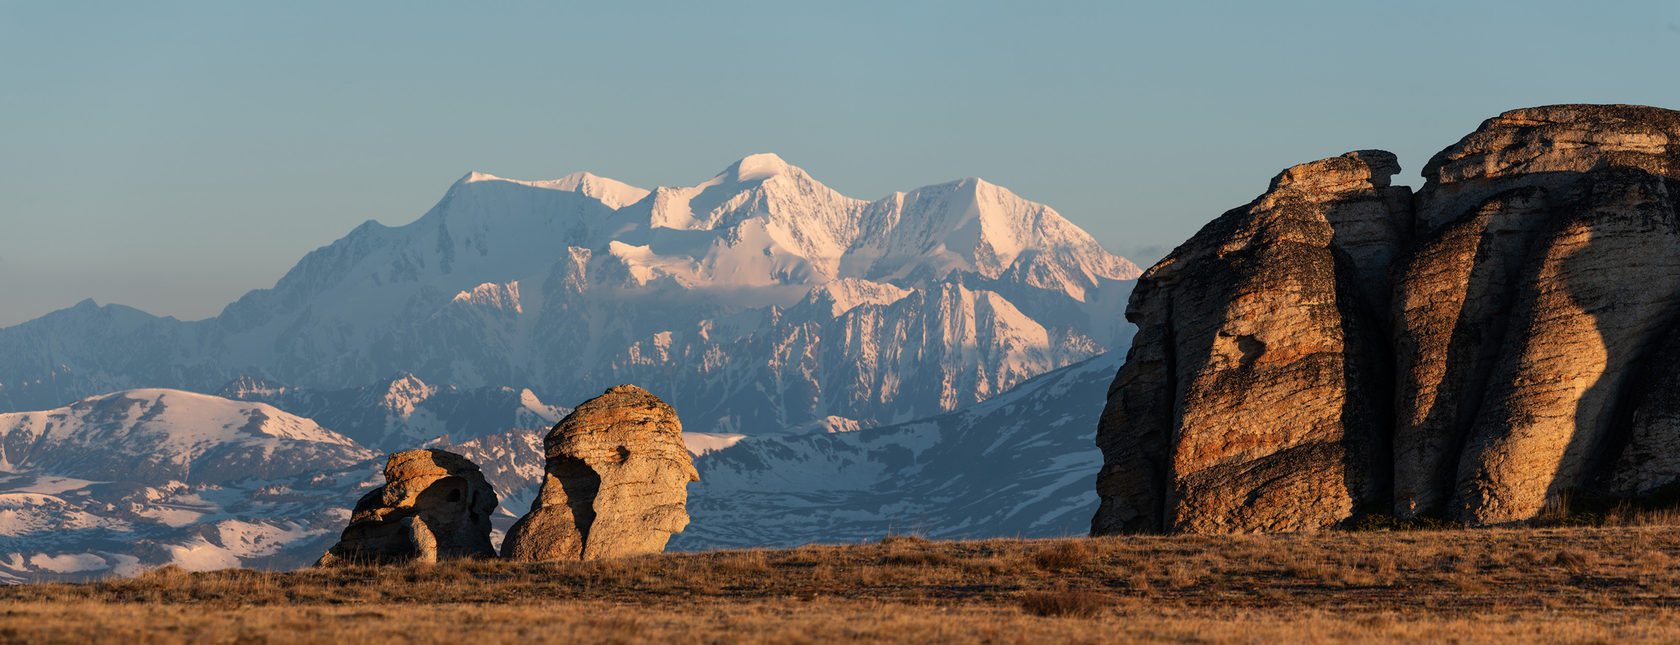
1250 349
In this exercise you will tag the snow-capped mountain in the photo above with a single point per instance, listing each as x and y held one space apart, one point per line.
134 480
405 412
1021 464
757 301
71 507
116 484
156 434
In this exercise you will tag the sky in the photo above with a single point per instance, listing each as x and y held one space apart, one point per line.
172 156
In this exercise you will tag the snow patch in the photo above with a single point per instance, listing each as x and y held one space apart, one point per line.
68 563
200 555
700 443
759 166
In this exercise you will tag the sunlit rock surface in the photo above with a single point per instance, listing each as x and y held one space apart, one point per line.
1474 352
435 505
616 482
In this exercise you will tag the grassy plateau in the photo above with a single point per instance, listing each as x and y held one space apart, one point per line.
1581 584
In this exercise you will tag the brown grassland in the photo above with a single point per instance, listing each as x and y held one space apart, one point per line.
1583 584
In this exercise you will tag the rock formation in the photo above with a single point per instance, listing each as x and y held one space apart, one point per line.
1472 352
616 482
435 505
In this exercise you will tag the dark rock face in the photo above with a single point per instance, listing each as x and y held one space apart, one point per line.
616 483
435 505
1473 352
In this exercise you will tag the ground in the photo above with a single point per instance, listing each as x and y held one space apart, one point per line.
1593 584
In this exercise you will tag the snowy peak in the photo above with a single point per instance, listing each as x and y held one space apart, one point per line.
761 223
404 394
539 414
702 288
473 177
974 225
772 224
612 192
759 166
760 186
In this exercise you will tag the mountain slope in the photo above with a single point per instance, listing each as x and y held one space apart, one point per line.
405 412
570 286
1019 464
142 478
156 434
134 480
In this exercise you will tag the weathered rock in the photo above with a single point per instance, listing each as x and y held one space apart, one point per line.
1650 465
1249 400
1574 278
1519 298
616 482
435 505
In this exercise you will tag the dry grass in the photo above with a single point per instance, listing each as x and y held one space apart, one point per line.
1078 604
1612 584
791 621
1064 555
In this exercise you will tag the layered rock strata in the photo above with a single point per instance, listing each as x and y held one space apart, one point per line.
616 482
1474 352
435 505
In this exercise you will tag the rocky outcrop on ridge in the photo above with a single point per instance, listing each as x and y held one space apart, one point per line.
616 482
1474 352
435 505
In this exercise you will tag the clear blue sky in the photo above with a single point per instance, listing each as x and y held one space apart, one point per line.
172 156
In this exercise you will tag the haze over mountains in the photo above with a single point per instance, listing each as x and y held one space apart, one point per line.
769 310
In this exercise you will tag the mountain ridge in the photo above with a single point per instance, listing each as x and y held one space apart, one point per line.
566 286
98 515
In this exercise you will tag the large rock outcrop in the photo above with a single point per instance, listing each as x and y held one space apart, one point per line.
616 482
1473 352
435 505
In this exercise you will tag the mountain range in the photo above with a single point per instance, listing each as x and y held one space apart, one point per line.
843 369
755 302
134 480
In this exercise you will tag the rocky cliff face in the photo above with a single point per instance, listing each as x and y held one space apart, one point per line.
1472 352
